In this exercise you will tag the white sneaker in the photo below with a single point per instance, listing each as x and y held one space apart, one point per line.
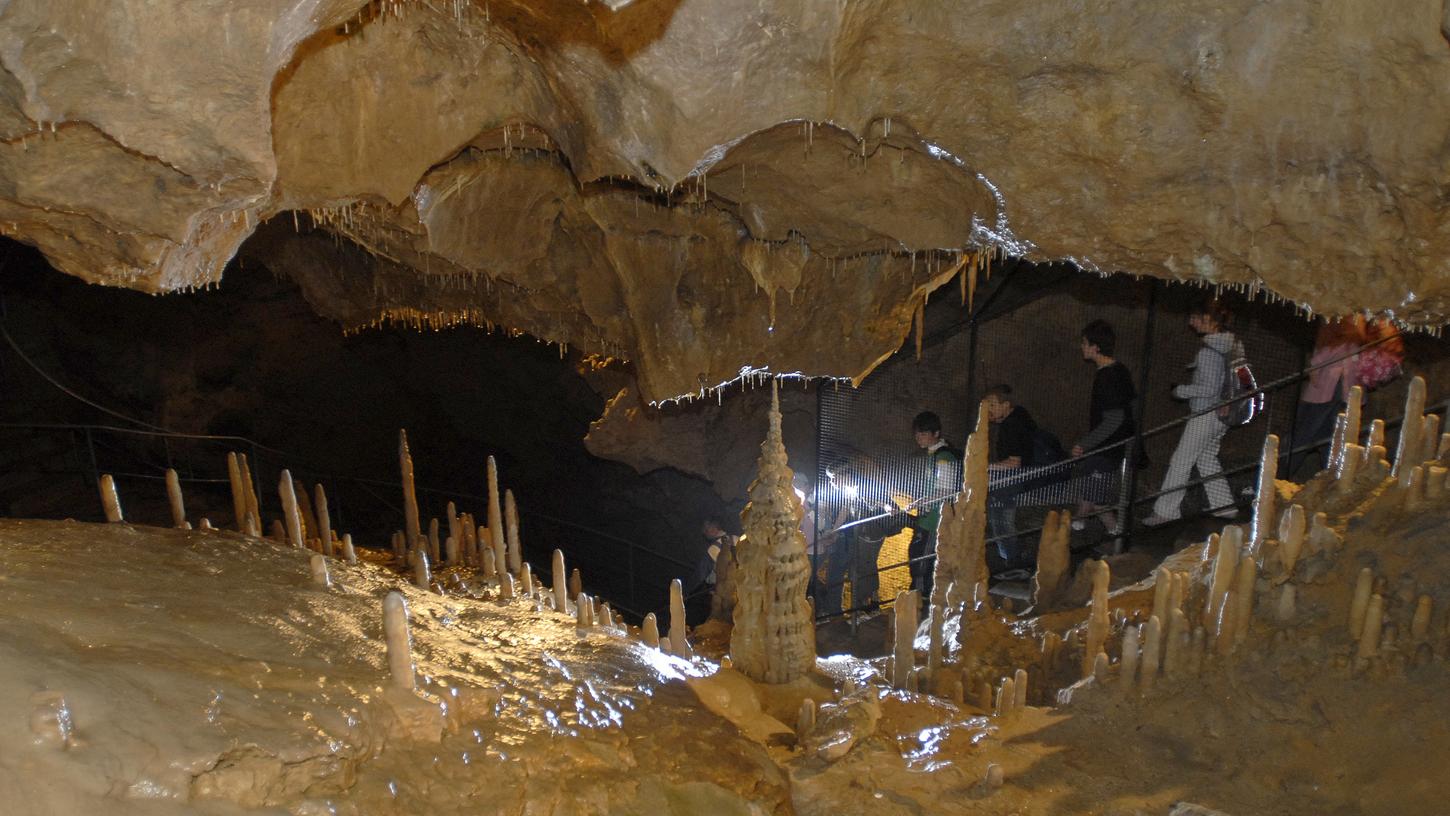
1079 525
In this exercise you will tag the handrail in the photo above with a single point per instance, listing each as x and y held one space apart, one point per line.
1066 464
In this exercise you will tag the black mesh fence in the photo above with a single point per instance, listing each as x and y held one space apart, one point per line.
875 485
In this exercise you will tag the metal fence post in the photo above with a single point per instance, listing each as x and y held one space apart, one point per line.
1135 448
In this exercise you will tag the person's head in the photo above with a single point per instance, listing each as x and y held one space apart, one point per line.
999 402
926 429
1209 316
1099 341
713 531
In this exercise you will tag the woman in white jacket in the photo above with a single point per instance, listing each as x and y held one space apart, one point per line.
1198 447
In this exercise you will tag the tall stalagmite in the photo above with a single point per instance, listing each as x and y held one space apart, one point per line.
961 555
411 525
774 639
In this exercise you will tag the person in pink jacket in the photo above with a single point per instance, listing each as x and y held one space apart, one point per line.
1333 370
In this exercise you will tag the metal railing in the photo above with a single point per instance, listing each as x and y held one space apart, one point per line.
1129 499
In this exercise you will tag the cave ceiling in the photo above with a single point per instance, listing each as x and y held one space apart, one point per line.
702 186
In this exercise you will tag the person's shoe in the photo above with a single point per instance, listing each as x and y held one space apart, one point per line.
1079 525
1229 512
1016 574
1156 520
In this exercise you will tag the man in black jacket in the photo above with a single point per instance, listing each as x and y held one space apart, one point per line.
1011 453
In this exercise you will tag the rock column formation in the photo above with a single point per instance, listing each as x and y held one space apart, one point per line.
774 637
961 538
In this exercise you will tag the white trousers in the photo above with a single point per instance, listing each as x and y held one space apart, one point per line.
1197 448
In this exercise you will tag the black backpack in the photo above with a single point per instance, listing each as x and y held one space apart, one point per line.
1046 448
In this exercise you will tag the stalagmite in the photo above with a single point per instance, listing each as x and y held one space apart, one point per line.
318 564
1420 623
1097 624
1162 590
239 496
1322 537
774 638
205 524
994 778
1435 482
495 518
412 522
1369 637
904 613
1353 408
1224 565
304 512
511 531
1376 436
1429 438
1338 441
1244 597
110 500
348 553
936 615
1053 559
1006 697
1291 537
173 496
400 644
252 526
1360 601
324 519
1019 690
561 589
450 551
1152 650
290 513
1226 625
584 612
679 644
1285 609
1176 643
1264 498
650 631
1408 449
469 541
249 487
606 616
278 533
435 545
1100 668
576 583
806 718
1197 645
526 580
455 524
422 576
506 585
1128 665
961 554
490 565
1349 467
